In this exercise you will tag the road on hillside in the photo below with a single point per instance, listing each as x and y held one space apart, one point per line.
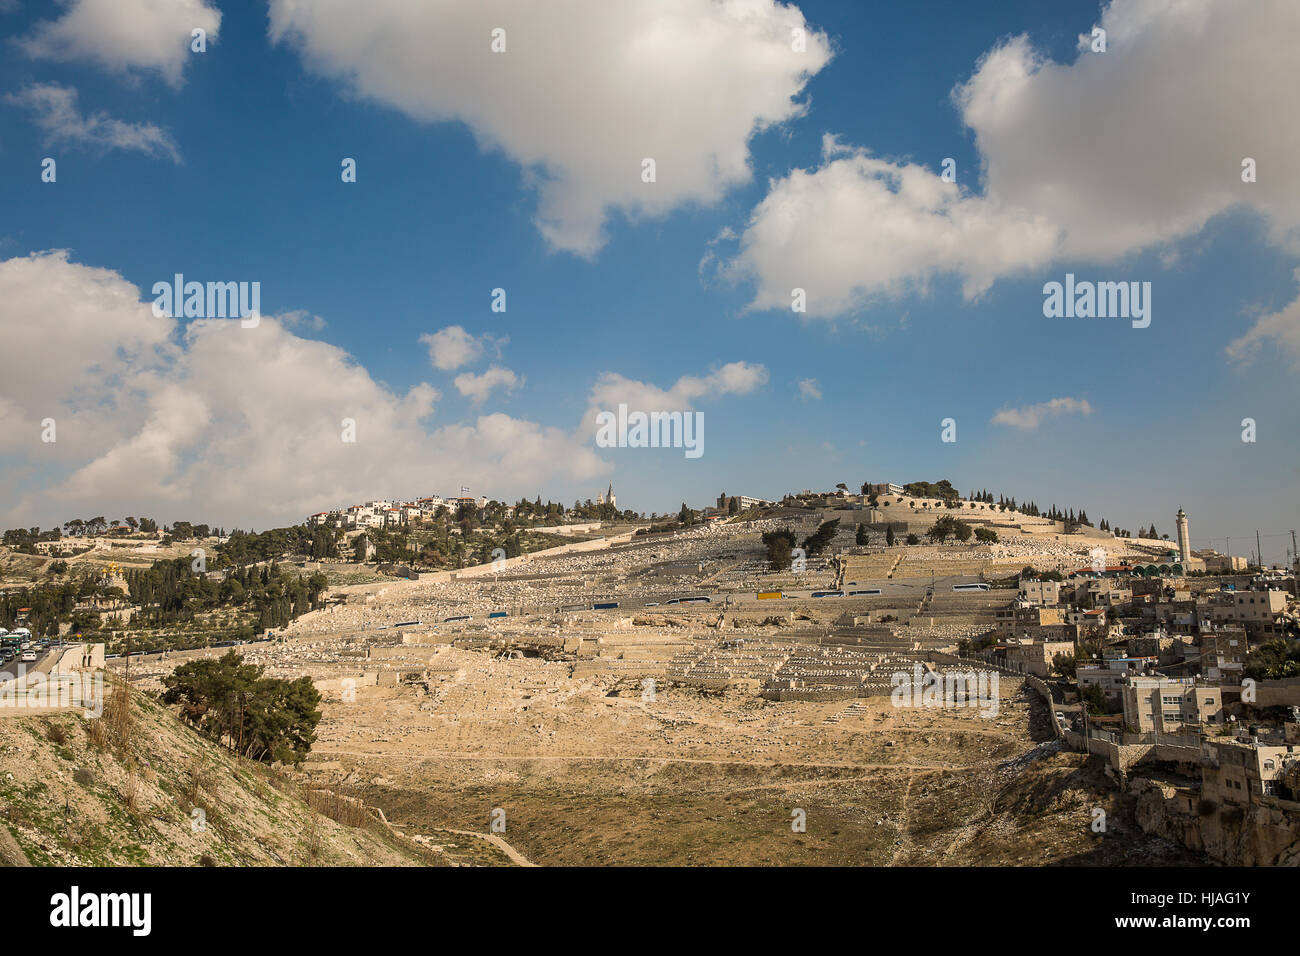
42 663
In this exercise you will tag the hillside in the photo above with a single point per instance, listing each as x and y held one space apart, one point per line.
107 792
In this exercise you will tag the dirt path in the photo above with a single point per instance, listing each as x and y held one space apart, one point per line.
904 842
515 856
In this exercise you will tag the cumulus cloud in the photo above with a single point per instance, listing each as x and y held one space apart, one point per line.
1144 143
1094 159
809 389
453 347
215 422
479 387
75 346
1029 417
56 113
683 82
124 35
734 378
1281 328
612 389
858 227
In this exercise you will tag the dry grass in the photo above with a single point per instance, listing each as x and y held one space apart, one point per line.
130 794
117 717
344 810
96 733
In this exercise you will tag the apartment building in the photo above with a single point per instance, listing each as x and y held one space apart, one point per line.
1040 593
1084 618
885 488
744 502
1235 771
1111 675
1257 610
1035 657
1021 619
1223 652
1170 705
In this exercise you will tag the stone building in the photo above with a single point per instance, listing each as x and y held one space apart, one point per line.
1170 705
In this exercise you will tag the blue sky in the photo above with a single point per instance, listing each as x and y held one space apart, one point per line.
442 213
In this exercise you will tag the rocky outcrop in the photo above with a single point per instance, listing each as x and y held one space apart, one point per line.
1255 835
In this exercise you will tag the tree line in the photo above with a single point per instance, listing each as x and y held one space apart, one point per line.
169 591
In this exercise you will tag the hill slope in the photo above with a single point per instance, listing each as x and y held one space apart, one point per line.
108 792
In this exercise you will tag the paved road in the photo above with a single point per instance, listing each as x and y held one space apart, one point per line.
44 659
908 588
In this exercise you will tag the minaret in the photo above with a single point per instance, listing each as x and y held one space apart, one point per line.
1184 539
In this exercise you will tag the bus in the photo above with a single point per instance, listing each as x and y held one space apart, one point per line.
821 594
970 587
864 591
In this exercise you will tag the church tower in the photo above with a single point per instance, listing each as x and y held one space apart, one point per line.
609 495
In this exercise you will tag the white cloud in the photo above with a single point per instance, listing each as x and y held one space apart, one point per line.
1281 328
125 34
809 389
302 319
1111 154
734 378
74 346
56 113
1029 417
479 387
452 347
612 389
859 227
211 421
585 91
1142 144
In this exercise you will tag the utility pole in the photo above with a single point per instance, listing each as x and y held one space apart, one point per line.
1259 551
